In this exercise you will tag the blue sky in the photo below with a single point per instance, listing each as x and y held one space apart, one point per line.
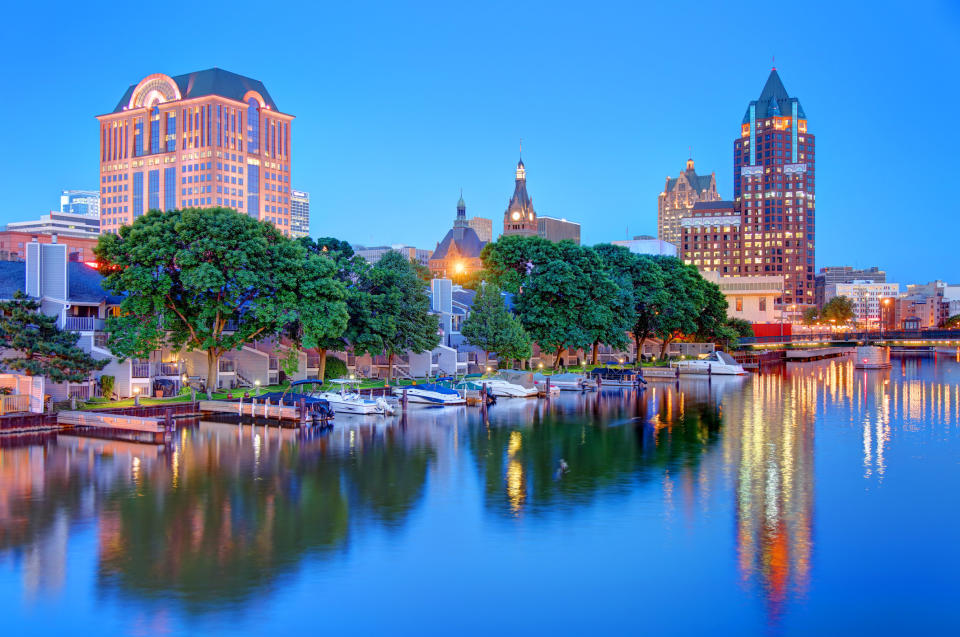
400 105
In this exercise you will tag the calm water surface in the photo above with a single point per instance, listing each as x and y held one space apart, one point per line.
814 499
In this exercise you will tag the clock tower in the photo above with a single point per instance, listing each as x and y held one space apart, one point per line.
520 218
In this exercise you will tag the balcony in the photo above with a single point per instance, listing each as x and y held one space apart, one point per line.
227 366
168 369
140 369
83 324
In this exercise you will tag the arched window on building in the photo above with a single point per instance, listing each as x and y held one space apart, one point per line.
253 126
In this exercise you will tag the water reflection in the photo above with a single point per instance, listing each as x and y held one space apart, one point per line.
228 514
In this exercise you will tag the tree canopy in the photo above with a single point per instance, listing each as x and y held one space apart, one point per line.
491 327
40 348
212 280
839 309
390 311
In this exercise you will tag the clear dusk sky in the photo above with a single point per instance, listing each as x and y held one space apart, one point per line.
400 105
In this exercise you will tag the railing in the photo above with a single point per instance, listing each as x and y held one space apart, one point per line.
13 404
227 366
140 369
855 336
168 369
80 392
83 324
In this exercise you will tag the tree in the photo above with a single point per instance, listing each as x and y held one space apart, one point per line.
346 268
953 322
209 280
811 316
838 309
422 271
42 348
509 260
390 311
680 305
491 327
619 264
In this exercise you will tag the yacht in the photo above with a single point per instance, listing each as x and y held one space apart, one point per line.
430 394
349 401
716 363
567 382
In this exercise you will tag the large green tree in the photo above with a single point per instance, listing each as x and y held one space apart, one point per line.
838 309
209 280
681 303
38 346
620 265
491 327
390 311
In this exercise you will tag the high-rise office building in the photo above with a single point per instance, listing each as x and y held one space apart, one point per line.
678 197
774 186
483 227
558 229
833 274
204 139
80 202
299 213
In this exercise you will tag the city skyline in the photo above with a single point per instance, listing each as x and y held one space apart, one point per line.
404 131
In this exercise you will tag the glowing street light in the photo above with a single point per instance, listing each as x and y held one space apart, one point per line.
257 383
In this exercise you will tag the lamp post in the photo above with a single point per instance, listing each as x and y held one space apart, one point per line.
257 383
883 306
136 396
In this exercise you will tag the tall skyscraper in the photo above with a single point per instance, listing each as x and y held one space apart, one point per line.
520 217
299 213
80 202
774 185
678 198
204 139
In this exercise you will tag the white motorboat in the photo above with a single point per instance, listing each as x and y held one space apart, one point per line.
511 384
430 394
349 401
716 363
566 382
617 377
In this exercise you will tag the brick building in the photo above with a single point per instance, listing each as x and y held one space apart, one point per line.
774 186
712 238
520 217
204 139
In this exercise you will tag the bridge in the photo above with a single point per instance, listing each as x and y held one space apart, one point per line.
917 338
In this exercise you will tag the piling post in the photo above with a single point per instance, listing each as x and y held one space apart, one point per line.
168 418
483 398
403 399
548 388
303 410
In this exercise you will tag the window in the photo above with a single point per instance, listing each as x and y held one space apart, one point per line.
739 304
137 194
153 190
253 126
170 188
763 304
155 130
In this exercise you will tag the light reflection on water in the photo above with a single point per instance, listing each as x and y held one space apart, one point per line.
226 515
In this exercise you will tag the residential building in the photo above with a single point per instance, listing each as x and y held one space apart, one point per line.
373 254
751 298
458 254
867 298
558 229
645 244
774 187
299 213
80 202
913 311
831 275
203 139
712 239
483 227
520 217
678 197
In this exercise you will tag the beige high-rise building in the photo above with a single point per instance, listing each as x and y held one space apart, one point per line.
483 227
678 197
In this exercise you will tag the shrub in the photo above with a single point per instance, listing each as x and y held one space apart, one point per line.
107 383
335 368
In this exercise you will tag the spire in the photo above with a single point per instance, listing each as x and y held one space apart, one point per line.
460 204
461 219
774 108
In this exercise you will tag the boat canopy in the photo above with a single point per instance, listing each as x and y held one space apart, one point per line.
439 389
724 358
524 379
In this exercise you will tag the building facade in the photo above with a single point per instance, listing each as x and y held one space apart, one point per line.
373 254
645 244
458 254
204 139
62 223
519 217
751 298
774 185
299 213
13 244
712 238
678 197
555 229
483 227
80 202
831 275
867 298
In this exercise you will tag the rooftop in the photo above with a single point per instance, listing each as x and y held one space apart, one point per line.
213 81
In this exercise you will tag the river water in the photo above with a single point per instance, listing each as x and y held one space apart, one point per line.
812 498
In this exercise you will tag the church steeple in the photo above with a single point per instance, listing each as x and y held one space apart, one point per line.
520 217
461 220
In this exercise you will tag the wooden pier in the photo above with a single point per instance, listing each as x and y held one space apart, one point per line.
116 422
250 409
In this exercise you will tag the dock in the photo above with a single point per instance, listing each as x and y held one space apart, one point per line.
159 428
250 409
820 353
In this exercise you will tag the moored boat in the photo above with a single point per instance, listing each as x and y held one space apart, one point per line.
617 377
349 401
431 394
716 363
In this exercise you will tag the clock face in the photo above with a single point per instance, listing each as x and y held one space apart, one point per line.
516 216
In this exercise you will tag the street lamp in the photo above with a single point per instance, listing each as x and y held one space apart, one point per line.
257 383
883 305
136 396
